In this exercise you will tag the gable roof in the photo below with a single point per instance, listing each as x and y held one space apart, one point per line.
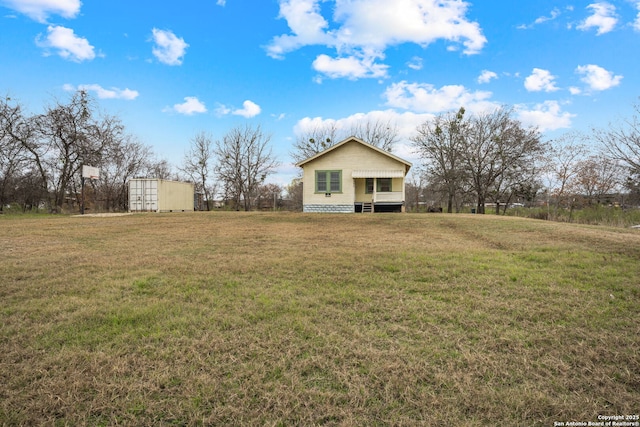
359 141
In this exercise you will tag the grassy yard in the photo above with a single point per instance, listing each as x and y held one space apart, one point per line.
270 319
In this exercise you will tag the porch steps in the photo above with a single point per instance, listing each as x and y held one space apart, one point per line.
367 207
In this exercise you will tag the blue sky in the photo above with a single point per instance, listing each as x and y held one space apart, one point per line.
173 69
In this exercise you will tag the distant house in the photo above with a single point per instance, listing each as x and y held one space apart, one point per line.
353 176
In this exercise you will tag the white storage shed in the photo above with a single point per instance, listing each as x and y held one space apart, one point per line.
160 195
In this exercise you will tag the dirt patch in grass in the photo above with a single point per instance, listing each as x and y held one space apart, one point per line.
294 319
103 215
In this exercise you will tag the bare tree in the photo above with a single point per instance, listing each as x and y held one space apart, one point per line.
440 143
382 134
12 152
64 143
521 156
520 181
56 144
376 132
269 197
494 143
29 190
415 185
19 129
563 160
64 138
160 169
244 160
294 195
198 164
121 161
596 178
622 140
314 141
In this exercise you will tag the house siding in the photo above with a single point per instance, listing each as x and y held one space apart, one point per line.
346 158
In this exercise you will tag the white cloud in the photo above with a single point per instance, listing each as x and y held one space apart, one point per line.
189 107
68 45
221 2
249 109
554 14
306 24
308 124
541 20
39 10
349 67
597 78
102 93
425 98
406 123
603 18
540 80
380 23
415 63
575 90
169 49
636 23
363 29
222 110
486 76
546 116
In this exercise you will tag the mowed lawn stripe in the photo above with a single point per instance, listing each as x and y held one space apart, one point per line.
298 319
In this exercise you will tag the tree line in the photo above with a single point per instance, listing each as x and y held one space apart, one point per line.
42 155
491 158
467 160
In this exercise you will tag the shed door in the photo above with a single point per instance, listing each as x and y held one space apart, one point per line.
135 192
143 195
151 195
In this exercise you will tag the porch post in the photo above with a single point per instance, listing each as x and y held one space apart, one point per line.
375 190
404 197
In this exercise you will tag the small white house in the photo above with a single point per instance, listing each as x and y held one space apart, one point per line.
353 176
160 195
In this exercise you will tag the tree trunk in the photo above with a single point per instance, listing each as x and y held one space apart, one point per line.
480 206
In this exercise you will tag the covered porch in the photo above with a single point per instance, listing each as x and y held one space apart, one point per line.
378 190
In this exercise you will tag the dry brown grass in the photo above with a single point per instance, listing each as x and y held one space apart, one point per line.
293 319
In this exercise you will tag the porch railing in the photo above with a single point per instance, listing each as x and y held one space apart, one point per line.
391 196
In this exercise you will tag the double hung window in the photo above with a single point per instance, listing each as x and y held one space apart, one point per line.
369 186
383 185
328 181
